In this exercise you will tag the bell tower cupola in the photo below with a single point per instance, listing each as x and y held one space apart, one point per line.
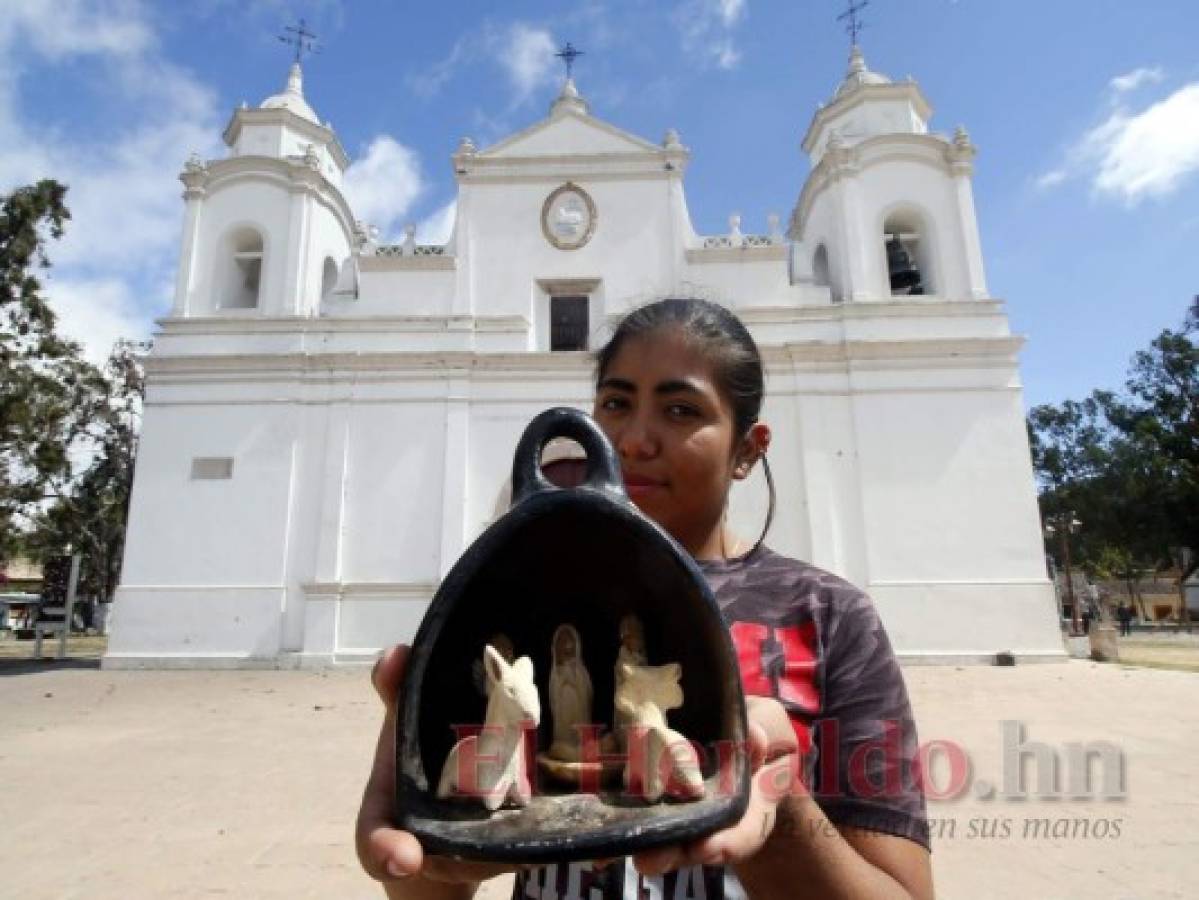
888 210
285 126
864 105
267 230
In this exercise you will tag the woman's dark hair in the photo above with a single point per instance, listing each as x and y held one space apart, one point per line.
725 342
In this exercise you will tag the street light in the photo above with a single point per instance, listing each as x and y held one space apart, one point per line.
1066 525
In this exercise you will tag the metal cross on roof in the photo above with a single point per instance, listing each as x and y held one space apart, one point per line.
852 20
568 55
300 38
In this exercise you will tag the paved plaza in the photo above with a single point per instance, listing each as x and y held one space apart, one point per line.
127 784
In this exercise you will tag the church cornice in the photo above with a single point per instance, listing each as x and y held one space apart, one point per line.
932 353
285 117
307 325
592 166
742 254
932 150
415 263
905 90
412 365
498 149
898 309
795 368
287 174
924 353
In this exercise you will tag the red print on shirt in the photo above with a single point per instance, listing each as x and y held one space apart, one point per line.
780 663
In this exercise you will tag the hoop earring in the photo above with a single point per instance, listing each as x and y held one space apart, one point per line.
770 506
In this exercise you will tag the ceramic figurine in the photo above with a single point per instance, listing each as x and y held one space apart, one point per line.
668 763
503 645
494 760
631 653
570 693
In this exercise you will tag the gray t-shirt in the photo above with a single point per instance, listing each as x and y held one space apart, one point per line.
815 643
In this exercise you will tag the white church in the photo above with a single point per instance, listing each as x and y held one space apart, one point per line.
330 421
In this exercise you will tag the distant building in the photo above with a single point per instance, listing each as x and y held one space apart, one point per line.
329 421
20 574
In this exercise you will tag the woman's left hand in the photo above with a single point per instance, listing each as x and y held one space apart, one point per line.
774 761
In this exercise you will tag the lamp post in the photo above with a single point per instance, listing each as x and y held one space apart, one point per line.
1065 526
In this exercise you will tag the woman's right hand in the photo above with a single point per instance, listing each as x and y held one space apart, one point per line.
388 855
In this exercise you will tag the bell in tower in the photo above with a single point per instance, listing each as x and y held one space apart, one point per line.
905 277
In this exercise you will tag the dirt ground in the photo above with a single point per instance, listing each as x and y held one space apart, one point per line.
245 784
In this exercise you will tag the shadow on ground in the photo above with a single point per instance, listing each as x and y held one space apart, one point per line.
46 664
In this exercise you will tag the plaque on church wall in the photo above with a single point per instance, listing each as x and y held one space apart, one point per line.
568 217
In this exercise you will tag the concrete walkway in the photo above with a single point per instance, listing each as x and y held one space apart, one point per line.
245 784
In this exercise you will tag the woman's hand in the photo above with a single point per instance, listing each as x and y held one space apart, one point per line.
774 762
387 854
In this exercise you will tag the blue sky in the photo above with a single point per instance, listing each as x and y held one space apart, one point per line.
1086 116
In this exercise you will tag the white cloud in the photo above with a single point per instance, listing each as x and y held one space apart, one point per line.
122 241
63 28
1150 153
731 11
382 185
527 55
439 226
1132 154
727 55
98 313
705 28
524 52
1052 178
429 82
1130 81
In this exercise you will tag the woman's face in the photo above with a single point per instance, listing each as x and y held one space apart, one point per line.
673 430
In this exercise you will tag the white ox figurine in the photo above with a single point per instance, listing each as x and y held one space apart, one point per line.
668 762
494 760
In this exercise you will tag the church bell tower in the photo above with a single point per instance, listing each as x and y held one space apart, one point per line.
267 230
888 211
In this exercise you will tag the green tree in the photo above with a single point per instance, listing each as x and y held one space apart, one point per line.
1127 466
87 514
1161 415
50 396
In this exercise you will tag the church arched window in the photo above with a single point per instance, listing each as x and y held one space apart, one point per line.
909 254
820 266
328 277
242 264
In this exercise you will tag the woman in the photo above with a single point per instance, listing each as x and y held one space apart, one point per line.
679 391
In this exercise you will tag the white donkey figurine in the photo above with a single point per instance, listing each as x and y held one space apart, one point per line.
493 763
668 763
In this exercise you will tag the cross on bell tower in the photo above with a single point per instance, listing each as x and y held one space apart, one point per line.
852 19
301 38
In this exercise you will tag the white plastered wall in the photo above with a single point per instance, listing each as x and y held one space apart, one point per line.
632 249
205 564
261 204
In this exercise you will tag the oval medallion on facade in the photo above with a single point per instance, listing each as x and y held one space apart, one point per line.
568 217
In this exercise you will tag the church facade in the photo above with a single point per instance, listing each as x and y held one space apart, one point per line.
330 422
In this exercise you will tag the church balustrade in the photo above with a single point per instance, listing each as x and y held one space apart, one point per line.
405 250
720 241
